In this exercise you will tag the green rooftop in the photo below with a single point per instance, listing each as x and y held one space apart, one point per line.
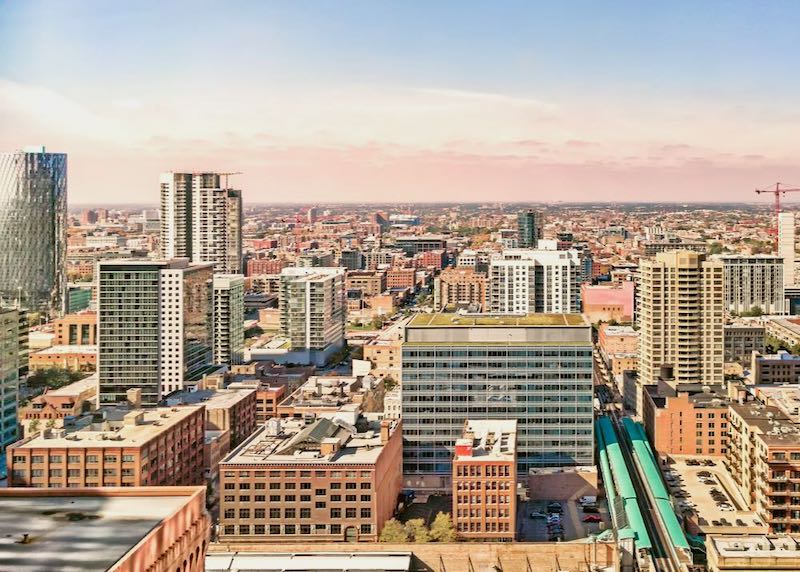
453 319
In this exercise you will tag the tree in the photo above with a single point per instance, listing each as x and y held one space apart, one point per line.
416 530
389 383
442 529
394 531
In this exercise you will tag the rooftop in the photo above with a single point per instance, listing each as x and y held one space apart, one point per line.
762 546
776 428
77 533
489 439
282 441
291 562
76 388
111 427
69 349
211 398
453 319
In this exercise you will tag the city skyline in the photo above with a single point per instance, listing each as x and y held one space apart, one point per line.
345 102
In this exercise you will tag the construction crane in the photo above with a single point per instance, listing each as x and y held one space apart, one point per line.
226 175
777 190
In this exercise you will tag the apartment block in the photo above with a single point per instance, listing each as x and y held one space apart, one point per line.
324 482
764 460
228 318
681 317
312 311
76 329
114 529
754 282
114 447
485 481
786 246
459 287
534 368
9 376
154 327
530 228
749 553
526 281
201 220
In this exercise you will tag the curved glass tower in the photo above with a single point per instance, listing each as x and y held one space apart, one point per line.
33 230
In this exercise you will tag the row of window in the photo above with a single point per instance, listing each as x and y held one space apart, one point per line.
71 459
292 513
293 498
303 474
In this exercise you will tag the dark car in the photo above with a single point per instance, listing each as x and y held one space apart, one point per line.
590 508
555 507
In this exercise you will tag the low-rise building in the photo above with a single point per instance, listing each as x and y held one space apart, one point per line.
75 358
229 409
401 278
113 446
69 401
607 302
686 419
340 396
786 330
323 482
781 367
369 283
104 530
760 553
741 340
485 480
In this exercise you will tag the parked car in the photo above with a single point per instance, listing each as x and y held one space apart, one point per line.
592 518
555 507
535 514
592 508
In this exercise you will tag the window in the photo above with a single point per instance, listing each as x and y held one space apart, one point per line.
366 529
305 486
273 486
274 513
336 513
305 529
290 513
336 486
319 504
260 513
350 498
366 498
350 513
336 529
276 498
336 498
305 498
320 492
274 528
230 513
366 513
56 459
289 529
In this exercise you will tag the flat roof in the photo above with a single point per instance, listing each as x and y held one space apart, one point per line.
264 446
113 431
454 319
310 561
77 533
211 398
761 546
76 388
68 349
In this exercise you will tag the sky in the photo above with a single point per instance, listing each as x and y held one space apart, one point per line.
411 100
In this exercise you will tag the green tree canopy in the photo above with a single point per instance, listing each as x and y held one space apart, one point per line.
394 531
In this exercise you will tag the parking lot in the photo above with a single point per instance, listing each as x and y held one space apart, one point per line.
706 495
569 526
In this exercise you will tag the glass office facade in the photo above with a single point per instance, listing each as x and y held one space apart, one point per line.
33 230
546 388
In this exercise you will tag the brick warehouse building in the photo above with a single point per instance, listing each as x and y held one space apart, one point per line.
324 482
112 447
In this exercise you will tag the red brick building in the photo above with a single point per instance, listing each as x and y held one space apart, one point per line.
114 447
485 481
256 266
323 482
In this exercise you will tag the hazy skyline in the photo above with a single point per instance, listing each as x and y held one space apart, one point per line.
443 101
